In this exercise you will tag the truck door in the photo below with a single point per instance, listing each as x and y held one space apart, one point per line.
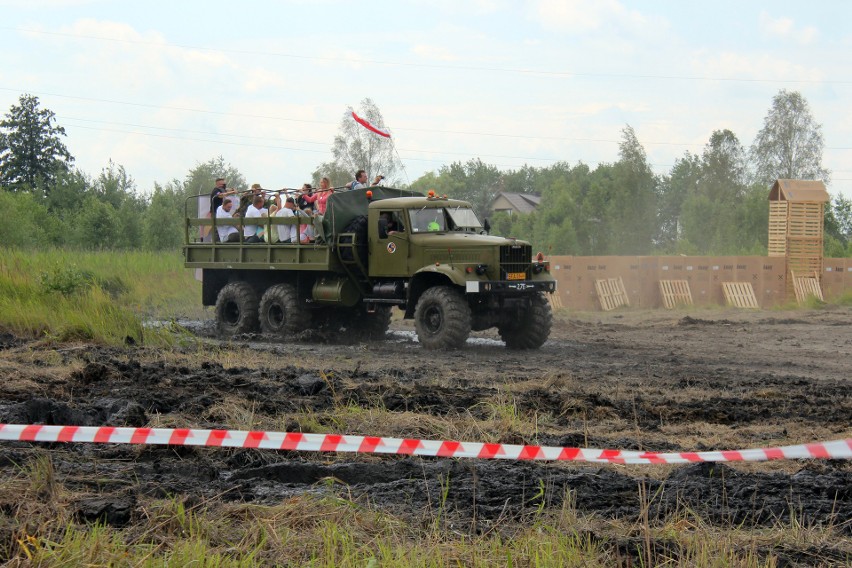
389 252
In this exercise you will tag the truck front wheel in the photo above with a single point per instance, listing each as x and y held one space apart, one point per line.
533 327
281 313
236 309
442 318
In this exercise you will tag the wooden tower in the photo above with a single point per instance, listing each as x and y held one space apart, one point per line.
796 209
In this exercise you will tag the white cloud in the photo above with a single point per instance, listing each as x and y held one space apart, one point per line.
786 29
729 65
434 52
586 16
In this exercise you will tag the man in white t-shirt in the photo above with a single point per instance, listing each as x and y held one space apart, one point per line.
227 233
287 233
254 211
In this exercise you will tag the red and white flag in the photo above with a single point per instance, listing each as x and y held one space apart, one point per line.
369 126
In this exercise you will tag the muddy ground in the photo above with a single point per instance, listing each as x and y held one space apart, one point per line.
663 381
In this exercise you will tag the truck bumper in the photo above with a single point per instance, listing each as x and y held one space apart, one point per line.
509 287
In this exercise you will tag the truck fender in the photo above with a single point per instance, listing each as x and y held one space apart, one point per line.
455 275
429 276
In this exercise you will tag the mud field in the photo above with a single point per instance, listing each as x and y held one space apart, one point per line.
653 381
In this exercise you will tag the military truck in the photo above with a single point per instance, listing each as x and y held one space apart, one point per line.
375 249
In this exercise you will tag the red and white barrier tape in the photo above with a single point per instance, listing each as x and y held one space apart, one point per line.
837 449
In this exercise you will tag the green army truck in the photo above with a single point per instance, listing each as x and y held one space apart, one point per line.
375 249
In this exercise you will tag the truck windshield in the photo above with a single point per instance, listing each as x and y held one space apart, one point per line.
428 220
464 218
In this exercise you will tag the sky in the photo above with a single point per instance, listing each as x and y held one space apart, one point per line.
159 87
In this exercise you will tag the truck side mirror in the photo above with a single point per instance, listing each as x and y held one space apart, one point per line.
487 226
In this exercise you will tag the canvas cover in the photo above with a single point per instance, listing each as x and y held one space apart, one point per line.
344 206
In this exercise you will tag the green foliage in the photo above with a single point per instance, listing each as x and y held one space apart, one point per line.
96 225
98 296
31 151
473 181
163 225
64 279
838 227
26 221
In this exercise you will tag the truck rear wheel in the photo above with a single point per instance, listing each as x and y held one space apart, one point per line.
281 312
442 318
236 309
532 329
374 325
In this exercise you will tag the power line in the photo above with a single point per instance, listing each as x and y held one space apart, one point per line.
276 147
443 66
275 139
395 129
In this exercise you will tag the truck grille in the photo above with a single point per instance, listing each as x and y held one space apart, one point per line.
515 259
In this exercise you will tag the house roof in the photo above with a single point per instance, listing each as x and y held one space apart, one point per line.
798 190
522 202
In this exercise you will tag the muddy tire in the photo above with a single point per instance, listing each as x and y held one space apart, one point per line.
442 318
533 328
281 313
236 309
374 325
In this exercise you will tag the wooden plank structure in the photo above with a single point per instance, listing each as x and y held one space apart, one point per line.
796 209
555 301
675 293
806 286
611 293
740 295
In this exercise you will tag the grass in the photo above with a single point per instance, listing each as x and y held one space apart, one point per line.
331 530
101 297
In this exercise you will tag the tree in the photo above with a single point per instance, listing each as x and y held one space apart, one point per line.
790 144
96 225
201 179
838 227
629 212
162 227
356 148
337 174
719 213
473 181
115 186
681 183
33 225
31 150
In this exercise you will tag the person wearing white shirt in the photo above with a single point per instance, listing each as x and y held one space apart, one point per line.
255 211
287 233
227 233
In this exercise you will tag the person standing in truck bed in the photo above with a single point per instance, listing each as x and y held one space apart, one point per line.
320 197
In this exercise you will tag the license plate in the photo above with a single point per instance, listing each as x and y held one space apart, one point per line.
516 275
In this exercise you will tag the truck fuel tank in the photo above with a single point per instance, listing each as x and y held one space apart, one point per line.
337 290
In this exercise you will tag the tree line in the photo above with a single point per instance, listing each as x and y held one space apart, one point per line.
712 203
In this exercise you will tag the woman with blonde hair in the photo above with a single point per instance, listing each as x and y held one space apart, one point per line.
321 195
